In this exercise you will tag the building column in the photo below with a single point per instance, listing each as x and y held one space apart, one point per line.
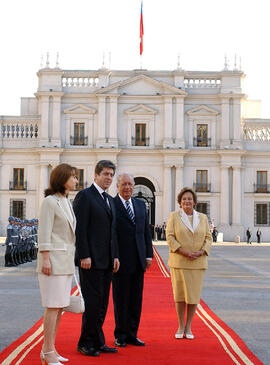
225 123
237 122
179 140
43 181
236 196
44 121
56 122
158 207
101 140
113 141
224 196
178 182
167 142
167 192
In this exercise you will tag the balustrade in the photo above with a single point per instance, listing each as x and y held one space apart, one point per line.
15 130
196 83
260 133
80 82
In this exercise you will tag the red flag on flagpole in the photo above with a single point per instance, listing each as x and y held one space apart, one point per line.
141 30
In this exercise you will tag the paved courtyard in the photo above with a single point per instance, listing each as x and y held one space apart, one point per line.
236 288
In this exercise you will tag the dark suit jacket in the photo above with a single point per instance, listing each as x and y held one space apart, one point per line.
95 231
134 240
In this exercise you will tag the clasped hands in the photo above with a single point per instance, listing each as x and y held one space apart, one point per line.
86 264
190 255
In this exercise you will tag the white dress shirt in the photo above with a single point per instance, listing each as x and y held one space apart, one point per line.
100 190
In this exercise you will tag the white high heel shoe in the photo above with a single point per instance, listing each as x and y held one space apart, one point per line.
44 361
61 358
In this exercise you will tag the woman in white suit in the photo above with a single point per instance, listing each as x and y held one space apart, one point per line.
189 239
55 265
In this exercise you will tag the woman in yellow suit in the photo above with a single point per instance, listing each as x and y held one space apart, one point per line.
189 238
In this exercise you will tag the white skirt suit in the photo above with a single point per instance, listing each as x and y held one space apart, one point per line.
56 234
191 235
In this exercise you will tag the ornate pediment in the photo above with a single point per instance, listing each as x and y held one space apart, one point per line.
202 110
80 109
141 84
140 109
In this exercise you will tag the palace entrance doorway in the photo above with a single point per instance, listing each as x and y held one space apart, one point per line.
144 190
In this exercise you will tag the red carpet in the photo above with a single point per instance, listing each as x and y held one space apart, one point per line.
215 342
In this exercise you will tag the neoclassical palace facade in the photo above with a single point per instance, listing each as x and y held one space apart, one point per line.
169 129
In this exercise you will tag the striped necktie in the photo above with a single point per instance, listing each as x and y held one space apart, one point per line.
105 197
130 213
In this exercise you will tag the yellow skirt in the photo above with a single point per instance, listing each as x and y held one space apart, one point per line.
187 285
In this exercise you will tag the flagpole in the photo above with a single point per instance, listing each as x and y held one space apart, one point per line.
141 34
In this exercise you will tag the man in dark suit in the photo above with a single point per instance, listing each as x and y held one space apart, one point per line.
96 255
135 254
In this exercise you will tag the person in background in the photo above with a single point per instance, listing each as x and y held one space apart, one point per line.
55 265
258 234
249 234
214 234
189 239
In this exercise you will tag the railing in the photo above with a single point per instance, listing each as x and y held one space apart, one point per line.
81 186
196 83
202 188
198 142
140 142
13 186
256 133
80 80
261 188
79 141
14 130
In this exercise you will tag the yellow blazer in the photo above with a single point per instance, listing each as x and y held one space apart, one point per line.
56 233
179 233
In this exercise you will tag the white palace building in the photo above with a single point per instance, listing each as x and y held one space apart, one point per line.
169 129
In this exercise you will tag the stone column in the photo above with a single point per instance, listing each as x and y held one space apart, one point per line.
179 141
44 122
225 123
178 182
167 142
158 207
236 196
237 122
56 121
113 141
43 180
224 195
167 189
101 121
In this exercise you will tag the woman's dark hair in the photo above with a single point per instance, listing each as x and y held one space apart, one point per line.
59 176
186 190
102 164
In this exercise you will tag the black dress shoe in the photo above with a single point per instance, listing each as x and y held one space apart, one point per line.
119 343
135 341
107 350
88 351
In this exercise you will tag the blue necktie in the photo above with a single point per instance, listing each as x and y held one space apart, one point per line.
130 213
